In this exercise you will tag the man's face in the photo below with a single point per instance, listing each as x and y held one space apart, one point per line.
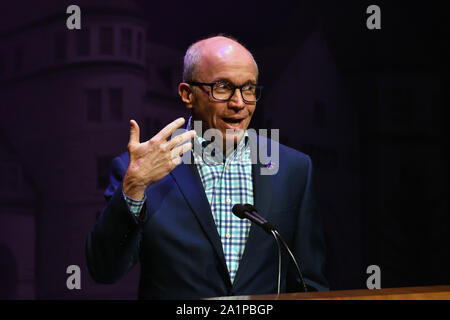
224 61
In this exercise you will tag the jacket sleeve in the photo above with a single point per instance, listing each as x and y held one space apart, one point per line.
309 243
112 246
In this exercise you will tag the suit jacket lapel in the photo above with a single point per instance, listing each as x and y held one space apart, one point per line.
262 184
189 182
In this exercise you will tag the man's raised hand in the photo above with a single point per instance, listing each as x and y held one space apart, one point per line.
152 160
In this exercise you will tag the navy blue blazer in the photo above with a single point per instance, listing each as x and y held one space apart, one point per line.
178 245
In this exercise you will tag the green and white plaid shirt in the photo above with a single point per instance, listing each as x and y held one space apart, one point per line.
226 183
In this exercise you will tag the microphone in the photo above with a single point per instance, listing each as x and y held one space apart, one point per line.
249 212
245 211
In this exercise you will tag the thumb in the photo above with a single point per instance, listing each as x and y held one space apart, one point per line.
134 133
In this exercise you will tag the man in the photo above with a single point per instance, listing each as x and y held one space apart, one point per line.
176 219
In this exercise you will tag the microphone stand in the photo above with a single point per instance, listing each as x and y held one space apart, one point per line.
274 233
278 235
249 212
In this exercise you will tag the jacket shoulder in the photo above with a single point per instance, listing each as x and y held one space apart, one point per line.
288 156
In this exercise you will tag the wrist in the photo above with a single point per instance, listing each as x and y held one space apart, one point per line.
132 189
134 195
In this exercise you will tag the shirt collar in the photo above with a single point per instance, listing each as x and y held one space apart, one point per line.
201 143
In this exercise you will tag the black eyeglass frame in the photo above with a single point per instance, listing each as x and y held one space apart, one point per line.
212 84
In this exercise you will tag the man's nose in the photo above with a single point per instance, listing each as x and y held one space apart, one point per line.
237 101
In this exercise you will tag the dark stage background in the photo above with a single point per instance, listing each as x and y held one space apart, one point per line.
369 106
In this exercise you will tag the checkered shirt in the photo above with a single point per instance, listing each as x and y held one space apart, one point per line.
134 206
226 183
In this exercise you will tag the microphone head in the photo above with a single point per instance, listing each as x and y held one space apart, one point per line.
238 210
250 208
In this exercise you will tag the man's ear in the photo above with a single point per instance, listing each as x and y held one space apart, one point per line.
186 94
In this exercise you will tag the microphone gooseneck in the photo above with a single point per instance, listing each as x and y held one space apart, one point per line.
293 259
279 260
248 211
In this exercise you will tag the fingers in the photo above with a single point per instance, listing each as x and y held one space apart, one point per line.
178 151
186 136
134 133
167 131
176 161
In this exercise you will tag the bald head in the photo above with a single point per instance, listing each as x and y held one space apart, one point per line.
213 50
218 64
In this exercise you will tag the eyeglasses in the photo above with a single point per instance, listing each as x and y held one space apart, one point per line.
223 91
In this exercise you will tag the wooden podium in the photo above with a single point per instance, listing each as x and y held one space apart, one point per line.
404 293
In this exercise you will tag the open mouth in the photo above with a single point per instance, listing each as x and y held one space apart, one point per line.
233 121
